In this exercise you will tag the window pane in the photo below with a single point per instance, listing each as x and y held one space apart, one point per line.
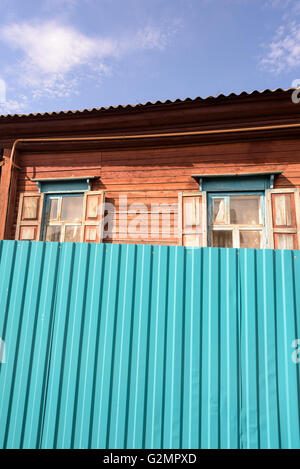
244 210
219 211
250 239
53 233
72 234
222 239
72 208
53 209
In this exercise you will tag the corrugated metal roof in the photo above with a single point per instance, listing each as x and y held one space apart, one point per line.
125 346
148 104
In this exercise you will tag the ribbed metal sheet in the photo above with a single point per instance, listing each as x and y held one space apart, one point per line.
127 107
124 346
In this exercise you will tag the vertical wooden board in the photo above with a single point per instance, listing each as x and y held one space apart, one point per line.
92 229
283 218
284 210
29 217
269 220
30 208
192 219
180 219
192 212
204 218
93 208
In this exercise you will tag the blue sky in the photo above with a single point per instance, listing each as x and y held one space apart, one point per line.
75 54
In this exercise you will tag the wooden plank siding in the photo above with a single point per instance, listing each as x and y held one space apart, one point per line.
158 175
253 133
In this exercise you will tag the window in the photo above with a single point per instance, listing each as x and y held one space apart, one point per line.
237 211
63 217
73 216
236 220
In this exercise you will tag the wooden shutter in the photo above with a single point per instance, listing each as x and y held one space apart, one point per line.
192 219
283 218
93 212
29 217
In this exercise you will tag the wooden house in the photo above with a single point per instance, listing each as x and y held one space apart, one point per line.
221 171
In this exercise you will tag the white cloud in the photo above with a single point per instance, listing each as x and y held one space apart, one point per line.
53 54
12 106
290 8
278 3
283 53
53 48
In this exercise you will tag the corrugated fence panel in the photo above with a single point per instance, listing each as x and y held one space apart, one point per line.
270 323
126 346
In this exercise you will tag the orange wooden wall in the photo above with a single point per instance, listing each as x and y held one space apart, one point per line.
157 175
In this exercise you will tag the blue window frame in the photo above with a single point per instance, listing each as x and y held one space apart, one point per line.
59 186
236 182
63 208
236 219
63 217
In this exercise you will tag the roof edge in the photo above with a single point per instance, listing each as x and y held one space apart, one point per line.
243 94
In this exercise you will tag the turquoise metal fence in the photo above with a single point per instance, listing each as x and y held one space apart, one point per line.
125 346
